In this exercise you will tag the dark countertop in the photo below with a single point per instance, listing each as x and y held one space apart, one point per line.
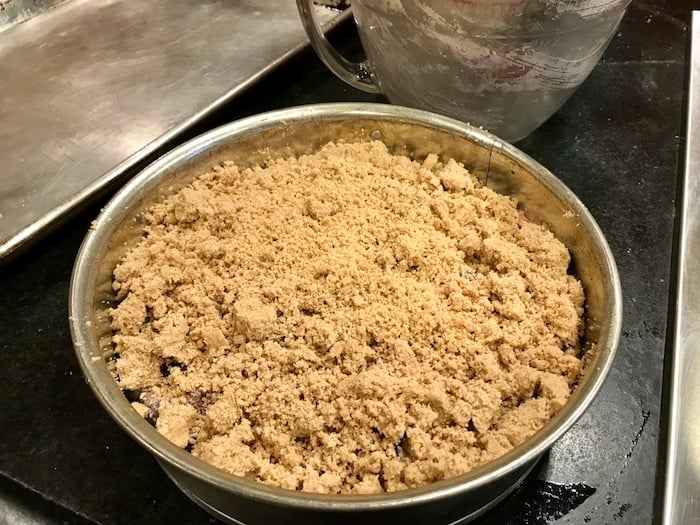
616 144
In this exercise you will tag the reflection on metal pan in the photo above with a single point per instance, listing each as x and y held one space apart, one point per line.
91 88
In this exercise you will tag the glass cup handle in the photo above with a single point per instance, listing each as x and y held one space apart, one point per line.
357 74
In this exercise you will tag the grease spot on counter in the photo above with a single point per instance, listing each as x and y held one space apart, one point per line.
542 502
621 511
552 501
635 440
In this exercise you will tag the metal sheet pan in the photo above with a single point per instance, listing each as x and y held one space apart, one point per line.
90 88
682 478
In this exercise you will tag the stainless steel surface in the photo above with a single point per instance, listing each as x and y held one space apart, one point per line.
682 489
300 130
88 88
16 11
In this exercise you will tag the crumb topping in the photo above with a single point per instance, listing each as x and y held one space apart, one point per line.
350 321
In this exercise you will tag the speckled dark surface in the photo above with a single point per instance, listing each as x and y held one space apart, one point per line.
615 143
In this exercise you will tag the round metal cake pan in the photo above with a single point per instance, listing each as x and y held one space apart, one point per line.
542 197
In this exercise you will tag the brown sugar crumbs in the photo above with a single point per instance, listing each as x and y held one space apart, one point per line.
346 322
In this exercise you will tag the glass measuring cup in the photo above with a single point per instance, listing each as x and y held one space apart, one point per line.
505 65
